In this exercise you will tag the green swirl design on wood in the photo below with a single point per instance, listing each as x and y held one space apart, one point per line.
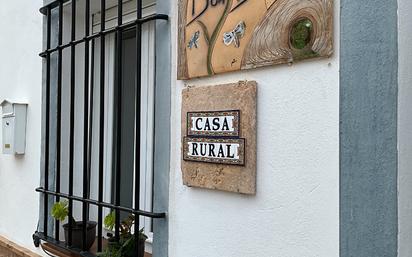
215 35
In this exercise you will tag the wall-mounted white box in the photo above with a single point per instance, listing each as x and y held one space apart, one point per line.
14 117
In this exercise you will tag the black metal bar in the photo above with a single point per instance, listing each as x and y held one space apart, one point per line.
47 126
52 5
123 27
103 204
101 126
91 113
59 114
72 117
85 122
88 121
138 122
119 53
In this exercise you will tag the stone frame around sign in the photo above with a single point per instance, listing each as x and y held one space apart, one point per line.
240 96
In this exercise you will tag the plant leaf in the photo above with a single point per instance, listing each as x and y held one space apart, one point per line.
60 210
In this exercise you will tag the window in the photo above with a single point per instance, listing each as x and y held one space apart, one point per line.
99 122
127 125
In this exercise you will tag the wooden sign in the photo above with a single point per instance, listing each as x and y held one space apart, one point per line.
221 123
217 36
219 137
215 150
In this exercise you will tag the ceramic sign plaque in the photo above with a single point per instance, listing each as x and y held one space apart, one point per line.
213 150
219 137
217 36
222 123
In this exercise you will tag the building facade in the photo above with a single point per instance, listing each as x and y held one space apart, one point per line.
332 135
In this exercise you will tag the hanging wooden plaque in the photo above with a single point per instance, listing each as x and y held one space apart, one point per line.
217 36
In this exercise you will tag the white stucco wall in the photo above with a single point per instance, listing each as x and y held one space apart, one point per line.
20 80
295 212
405 129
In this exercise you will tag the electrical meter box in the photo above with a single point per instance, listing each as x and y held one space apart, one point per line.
14 116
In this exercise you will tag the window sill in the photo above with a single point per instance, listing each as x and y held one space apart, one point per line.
50 248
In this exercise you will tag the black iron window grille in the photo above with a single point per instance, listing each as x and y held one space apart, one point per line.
57 7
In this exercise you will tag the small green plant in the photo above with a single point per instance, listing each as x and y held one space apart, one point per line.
126 244
110 220
60 210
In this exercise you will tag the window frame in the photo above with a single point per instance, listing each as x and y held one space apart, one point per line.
45 190
146 184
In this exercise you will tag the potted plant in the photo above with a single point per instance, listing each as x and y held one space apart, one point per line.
126 246
60 212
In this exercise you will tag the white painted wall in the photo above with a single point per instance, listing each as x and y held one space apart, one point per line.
20 79
405 129
295 212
